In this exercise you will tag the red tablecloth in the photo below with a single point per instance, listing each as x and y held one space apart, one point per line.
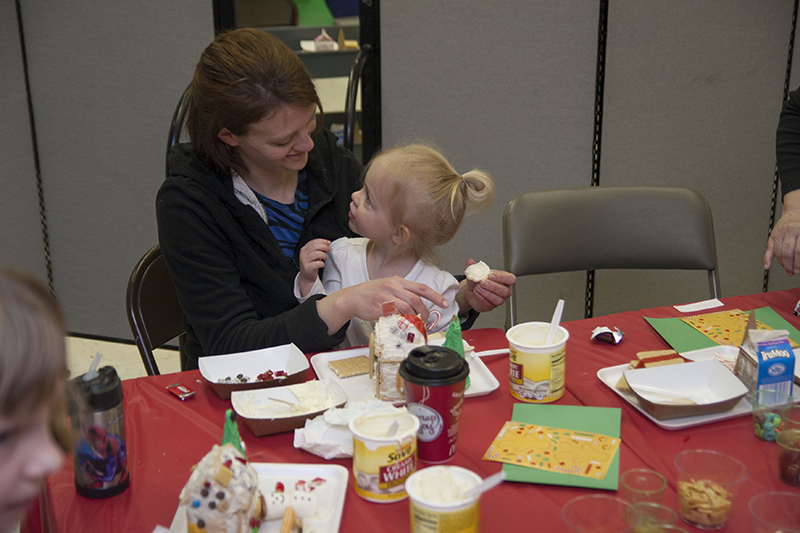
167 436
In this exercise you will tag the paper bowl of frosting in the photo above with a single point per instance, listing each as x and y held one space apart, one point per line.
257 369
689 389
282 409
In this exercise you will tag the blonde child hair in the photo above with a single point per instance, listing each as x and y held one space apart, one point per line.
429 196
33 363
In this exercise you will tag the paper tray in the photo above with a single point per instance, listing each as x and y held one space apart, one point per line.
727 355
330 496
269 425
482 381
610 376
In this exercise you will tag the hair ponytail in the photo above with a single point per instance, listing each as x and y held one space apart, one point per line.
429 196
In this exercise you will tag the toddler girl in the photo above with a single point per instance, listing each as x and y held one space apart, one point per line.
412 201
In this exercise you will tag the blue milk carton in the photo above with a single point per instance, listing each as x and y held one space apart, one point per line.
766 359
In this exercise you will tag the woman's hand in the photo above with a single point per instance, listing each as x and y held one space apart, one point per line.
312 257
487 294
366 301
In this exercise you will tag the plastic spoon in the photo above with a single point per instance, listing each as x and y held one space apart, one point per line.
551 334
489 353
393 428
488 483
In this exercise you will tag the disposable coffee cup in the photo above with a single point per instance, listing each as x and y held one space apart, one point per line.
434 379
384 454
537 368
438 502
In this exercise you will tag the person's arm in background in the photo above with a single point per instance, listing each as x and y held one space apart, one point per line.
784 241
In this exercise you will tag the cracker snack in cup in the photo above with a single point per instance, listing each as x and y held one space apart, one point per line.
384 453
536 371
707 484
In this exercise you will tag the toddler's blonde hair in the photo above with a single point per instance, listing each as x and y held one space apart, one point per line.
427 195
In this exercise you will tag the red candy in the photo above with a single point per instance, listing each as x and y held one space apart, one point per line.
269 375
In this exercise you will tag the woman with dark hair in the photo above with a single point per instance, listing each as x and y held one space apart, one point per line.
258 180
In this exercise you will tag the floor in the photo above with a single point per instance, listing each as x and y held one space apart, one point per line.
123 357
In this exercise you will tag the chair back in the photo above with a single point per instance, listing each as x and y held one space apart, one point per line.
154 314
592 228
176 126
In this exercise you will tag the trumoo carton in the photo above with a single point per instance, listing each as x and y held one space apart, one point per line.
766 359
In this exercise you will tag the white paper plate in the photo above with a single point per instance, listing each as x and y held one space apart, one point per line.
330 495
357 388
610 376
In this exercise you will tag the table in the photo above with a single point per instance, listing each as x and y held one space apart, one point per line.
167 436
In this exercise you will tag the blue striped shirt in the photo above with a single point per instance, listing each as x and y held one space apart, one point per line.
286 220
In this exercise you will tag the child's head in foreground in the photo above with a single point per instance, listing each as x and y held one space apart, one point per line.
33 374
421 191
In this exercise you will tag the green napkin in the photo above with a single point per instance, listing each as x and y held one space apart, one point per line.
603 420
452 340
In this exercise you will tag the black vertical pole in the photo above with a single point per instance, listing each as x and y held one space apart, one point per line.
224 16
776 177
602 31
370 30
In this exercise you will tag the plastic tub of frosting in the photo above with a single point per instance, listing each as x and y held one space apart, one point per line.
438 501
282 409
384 453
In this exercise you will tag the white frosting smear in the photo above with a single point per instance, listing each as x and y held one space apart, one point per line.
438 485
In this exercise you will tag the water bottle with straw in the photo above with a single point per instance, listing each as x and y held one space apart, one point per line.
98 426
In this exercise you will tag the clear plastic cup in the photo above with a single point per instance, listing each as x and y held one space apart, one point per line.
789 457
775 511
768 405
642 485
649 515
598 513
707 485
790 416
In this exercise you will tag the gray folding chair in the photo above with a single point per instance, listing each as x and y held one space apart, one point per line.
567 230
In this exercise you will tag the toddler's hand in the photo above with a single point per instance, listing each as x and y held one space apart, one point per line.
312 257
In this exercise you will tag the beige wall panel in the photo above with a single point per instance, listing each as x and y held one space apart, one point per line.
105 79
507 87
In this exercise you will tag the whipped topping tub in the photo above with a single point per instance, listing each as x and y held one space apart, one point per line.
384 454
438 502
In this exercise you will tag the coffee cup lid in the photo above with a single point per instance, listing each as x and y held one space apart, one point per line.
434 365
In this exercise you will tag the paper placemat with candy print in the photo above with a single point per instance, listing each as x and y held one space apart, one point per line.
565 451
725 327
